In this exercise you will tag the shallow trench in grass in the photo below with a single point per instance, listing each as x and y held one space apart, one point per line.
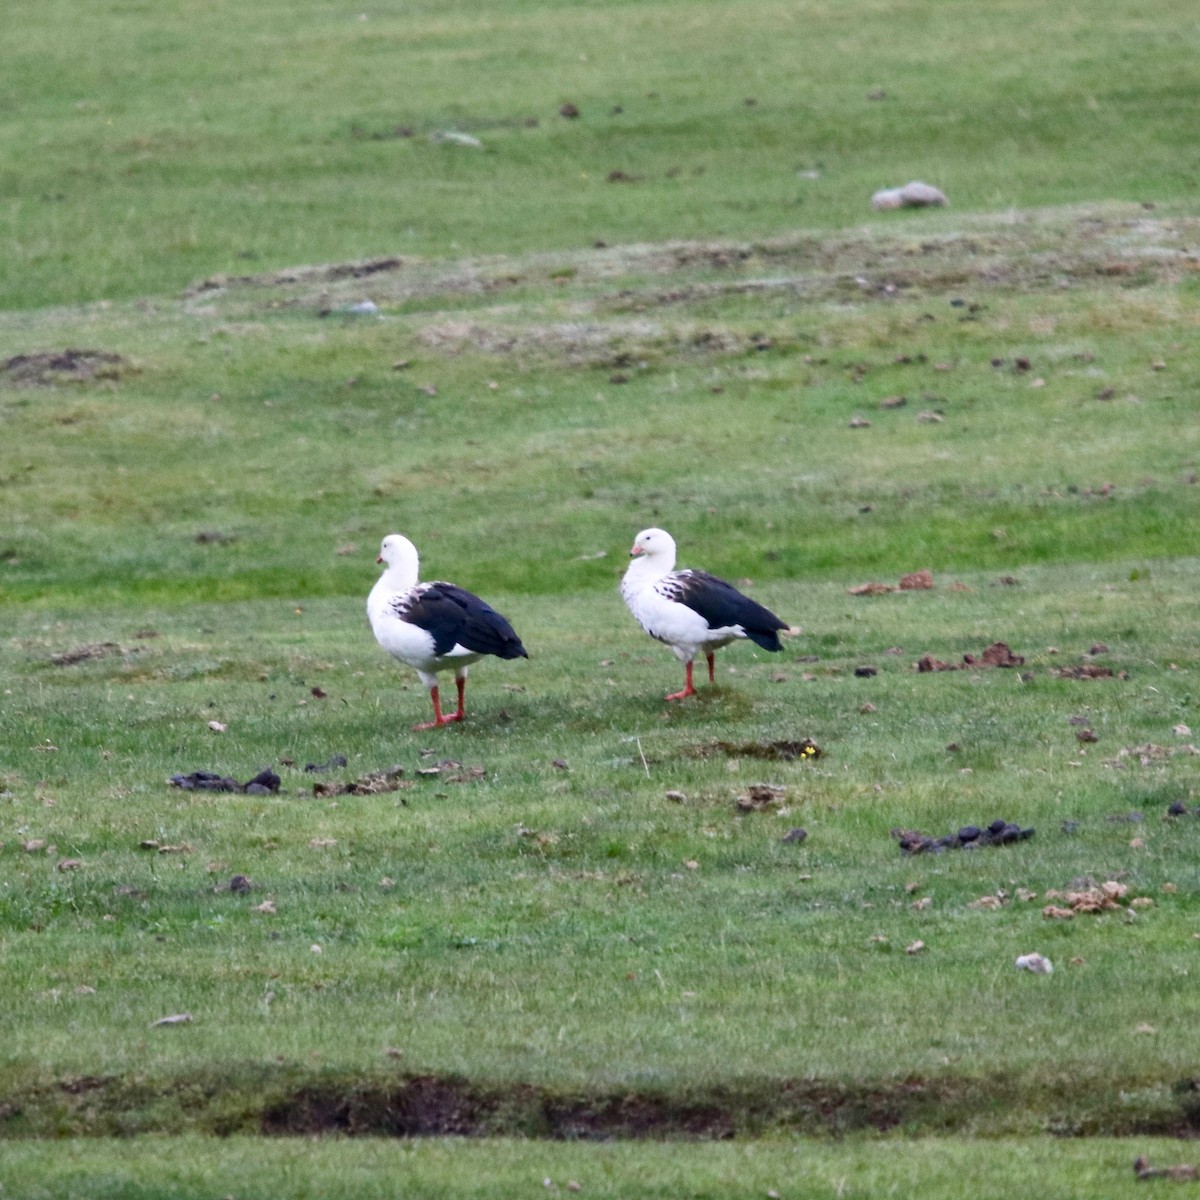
426 1105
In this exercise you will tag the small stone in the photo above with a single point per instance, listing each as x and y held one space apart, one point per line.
174 1019
912 195
1037 964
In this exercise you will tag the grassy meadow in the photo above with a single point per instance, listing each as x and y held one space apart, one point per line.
257 310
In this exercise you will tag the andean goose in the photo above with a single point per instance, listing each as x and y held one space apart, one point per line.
433 626
692 611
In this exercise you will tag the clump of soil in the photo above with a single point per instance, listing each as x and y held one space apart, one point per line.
1110 896
48 368
998 654
914 581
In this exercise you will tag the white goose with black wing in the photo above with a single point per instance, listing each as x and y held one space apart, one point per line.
693 612
434 627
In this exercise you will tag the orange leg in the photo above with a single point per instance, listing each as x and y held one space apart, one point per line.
711 667
688 689
438 718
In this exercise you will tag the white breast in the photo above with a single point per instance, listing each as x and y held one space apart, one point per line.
671 621
406 641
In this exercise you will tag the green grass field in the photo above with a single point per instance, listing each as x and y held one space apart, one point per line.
574 919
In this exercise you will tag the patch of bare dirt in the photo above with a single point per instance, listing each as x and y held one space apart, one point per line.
783 750
759 797
451 771
53 367
328 273
424 1105
1088 671
1113 244
93 650
411 1105
436 1106
618 345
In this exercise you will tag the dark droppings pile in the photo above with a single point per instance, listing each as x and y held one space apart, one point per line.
969 837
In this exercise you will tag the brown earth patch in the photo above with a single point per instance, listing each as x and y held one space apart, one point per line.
330 272
998 654
374 783
48 368
434 1106
428 1105
1087 671
784 750
68 658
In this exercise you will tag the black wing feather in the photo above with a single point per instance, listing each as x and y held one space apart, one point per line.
721 605
454 616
